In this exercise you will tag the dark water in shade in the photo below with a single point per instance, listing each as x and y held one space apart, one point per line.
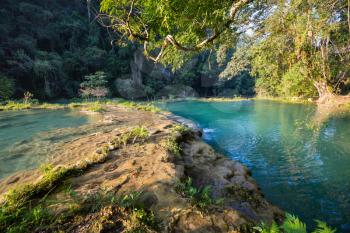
304 171
26 137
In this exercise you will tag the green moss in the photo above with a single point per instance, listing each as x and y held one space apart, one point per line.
18 202
12 105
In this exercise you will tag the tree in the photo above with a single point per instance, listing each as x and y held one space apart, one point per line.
94 85
303 46
6 87
172 30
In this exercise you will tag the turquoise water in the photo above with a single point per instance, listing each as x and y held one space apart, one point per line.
27 138
300 169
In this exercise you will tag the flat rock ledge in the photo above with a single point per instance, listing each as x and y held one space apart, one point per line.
150 167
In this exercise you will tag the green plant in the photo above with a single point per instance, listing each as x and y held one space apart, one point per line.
130 200
94 85
293 224
199 197
138 133
141 221
182 129
142 107
173 146
95 107
7 87
12 105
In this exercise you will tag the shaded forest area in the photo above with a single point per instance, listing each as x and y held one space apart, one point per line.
48 47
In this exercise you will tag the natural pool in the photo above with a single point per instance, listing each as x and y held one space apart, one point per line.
28 137
301 169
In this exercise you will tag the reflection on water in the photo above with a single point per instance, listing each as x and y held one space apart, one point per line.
302 169
28 138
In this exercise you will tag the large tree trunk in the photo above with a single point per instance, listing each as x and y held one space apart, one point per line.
324 92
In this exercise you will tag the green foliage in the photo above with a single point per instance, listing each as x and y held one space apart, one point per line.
173 146
130 200
95 107
94 80
12 105
135 134
142 107
199 197
292 224
322 227
189 23
51 45
140 219
7 87
94 85
21 208
180 128
291 52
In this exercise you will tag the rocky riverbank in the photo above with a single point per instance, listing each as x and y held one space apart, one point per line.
146 174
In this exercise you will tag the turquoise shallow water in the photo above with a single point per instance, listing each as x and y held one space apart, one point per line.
27 138
304 171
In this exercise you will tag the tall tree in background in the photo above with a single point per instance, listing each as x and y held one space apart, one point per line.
303 43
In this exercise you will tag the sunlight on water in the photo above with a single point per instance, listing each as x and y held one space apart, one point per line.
303 170
27 138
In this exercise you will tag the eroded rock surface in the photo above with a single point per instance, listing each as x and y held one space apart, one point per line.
149 166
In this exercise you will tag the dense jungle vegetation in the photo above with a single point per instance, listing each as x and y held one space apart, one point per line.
213 48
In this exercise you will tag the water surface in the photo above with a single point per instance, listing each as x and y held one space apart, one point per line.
28 137
303 170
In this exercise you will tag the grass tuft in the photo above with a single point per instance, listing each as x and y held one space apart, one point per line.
95 107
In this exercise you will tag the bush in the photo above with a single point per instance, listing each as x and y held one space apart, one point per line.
94 85
7 87
95 107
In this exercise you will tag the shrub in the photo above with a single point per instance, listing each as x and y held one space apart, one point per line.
7 87
95 107
173 147
182 129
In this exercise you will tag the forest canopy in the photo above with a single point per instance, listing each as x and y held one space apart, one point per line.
294 48
146 48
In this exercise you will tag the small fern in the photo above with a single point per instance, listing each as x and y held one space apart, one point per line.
292 224
323 228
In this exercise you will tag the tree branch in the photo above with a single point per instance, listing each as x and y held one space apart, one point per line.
170 40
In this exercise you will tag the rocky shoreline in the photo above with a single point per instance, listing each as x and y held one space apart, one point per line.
165 167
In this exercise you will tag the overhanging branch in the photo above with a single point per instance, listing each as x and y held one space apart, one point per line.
169 40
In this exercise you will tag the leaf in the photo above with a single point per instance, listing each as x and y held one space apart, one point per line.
292 224
323 228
